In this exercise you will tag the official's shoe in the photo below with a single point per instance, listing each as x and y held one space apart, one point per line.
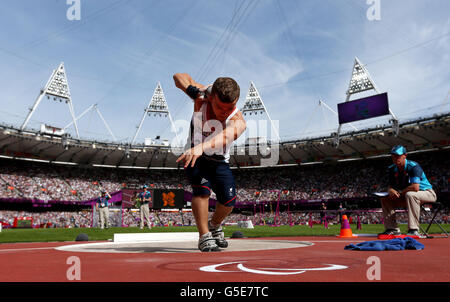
218 235
207 243
413 232
391 232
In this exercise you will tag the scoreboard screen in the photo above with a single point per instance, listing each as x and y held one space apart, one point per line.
168 199
364 108
23 222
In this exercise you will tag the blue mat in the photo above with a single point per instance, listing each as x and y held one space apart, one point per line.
397 244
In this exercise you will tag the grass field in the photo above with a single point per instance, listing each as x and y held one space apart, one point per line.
52 235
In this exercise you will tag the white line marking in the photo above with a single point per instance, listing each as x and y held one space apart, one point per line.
27 249
333 241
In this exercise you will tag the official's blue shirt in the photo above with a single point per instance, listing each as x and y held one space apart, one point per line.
103 201
411 174
145 194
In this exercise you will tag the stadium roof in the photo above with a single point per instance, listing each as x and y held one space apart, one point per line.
417 135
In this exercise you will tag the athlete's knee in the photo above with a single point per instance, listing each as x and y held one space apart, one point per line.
230 202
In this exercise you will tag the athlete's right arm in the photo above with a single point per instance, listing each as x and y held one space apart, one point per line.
184 80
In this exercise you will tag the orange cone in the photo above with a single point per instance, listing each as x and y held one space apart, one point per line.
346 231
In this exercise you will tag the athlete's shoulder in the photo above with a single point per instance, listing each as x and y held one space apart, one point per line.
198 103
238 116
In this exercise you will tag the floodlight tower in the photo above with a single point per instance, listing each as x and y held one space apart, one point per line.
361 81
255 104
57 89
157 105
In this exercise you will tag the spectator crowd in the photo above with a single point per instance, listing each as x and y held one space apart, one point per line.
32 180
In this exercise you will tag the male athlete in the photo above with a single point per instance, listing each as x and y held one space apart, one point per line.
215 125
408 187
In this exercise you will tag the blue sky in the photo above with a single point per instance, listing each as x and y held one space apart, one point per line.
295 52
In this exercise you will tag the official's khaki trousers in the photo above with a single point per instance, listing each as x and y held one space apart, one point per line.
411 202
145 213
104 217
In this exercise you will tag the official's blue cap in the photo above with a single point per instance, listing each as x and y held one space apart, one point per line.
398 150
145 186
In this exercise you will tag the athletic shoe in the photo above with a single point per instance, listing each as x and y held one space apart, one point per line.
207 243
218 235
391 232
413 232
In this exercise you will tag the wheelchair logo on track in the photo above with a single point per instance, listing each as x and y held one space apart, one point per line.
240 267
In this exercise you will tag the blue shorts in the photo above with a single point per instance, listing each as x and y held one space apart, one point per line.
207 175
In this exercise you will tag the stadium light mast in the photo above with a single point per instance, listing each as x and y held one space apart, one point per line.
361 81
254 104
57 88
156 105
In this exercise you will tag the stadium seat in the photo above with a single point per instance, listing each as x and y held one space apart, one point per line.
432 212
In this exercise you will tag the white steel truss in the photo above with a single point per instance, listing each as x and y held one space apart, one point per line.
56 89
361 81
157 105
254 104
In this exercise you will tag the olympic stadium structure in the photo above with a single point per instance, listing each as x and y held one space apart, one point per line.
418 135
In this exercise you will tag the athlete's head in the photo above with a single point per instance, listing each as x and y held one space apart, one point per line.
224 96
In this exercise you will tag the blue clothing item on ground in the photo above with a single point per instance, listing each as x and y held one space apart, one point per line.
397 244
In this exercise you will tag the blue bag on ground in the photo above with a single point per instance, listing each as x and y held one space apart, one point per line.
397 244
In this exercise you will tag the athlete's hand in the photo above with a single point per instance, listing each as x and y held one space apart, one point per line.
204 88
191 155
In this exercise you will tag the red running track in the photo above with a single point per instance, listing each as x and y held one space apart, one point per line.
40 262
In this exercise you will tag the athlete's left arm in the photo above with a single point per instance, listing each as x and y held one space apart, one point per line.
233 130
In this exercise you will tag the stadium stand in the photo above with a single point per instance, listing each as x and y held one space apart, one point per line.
350 183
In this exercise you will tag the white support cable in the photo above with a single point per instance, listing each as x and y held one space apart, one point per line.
335 113
445 101
271 122
80 116
32 109
72 113
309 120
324 115
179 143
105 123
139 127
